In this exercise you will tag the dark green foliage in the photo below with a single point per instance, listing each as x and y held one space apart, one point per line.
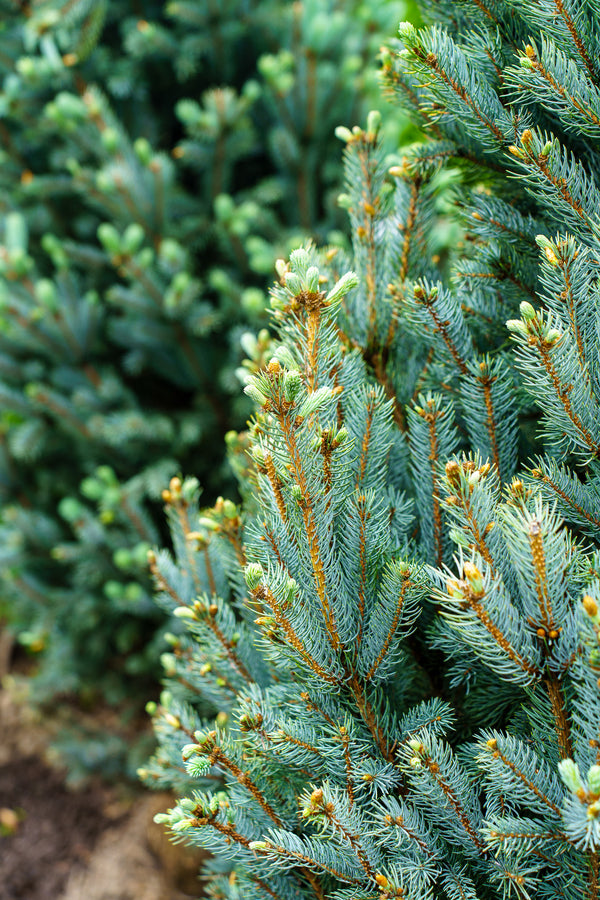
402 701
151 171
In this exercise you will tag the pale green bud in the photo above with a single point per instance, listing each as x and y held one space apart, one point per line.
133 238
527 311
253 574
109 238
184 612
344 134
143 151
593 779
299 259
517 327
569 772
312 279
346 283
254 392
187 751
162 818
280 267
374 121
293 283
315 401
292 383
406 30
110 139
46 293
168 661
285 356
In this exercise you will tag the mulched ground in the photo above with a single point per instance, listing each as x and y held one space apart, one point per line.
55 829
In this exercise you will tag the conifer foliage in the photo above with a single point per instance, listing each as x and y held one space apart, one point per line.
400 697
152 169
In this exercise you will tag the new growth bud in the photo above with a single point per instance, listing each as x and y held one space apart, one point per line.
569 772
591 607
253 574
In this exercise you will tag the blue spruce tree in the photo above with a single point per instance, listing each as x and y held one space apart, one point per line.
387 683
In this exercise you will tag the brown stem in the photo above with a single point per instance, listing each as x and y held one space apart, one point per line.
561 723
406 584
576 39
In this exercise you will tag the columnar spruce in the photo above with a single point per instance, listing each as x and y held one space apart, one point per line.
387 685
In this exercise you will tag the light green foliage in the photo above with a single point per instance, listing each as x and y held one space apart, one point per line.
151 170
402 701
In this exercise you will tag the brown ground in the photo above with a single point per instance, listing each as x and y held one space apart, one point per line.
97 843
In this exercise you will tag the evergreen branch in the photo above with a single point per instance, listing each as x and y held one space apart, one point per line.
369 717
262 593
224 828
311 530
526 836
433 63
319 806
426 298
562 392
314 707
174 498
577 40
470 597
570 501
216 757
161 582
461 496
568 296
265 887
406 584
450 794
215 672
269 846
345 739
486 11
456 82
561 723
486 382
227 645
560 176
366 234
588 118
594 882
276 486
363 513
522 778
501 272
60 410
541 581
431 419
551 347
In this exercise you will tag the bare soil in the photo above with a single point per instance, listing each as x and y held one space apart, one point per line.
97 843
